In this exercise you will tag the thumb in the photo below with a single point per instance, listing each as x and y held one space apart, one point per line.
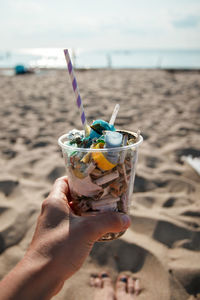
102 223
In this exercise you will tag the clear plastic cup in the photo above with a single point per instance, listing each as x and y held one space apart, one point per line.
101 179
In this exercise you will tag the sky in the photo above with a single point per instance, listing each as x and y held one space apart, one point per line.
100 24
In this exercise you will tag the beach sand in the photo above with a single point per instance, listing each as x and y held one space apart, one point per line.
162 246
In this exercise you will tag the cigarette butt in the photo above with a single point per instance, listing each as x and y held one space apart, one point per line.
107 178
108 207
90 168
105 201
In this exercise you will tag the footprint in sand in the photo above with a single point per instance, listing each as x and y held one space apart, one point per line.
152 162
172 171
143 185
177 202
169 233
9 153
40 144
136 261
178 185
145 201
7 186
120 252
59 120
13 226
173 185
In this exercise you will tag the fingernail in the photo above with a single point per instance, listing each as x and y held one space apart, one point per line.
126 221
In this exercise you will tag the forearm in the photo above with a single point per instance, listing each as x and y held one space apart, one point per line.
31 279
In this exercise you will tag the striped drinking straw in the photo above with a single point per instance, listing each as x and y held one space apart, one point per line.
76 90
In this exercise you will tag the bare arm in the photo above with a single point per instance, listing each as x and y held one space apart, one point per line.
61 243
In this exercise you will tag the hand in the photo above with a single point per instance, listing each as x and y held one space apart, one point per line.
64 239
60 245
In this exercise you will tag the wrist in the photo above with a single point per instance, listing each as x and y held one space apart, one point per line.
43 277
31 279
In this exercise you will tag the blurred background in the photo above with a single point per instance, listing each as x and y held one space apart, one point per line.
106 33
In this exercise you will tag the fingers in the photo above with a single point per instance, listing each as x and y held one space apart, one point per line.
60 188
93 227
96 226
58 195
55 207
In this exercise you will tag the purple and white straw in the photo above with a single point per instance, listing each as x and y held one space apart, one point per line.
75 88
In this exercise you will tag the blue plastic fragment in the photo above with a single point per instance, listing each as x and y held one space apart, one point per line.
101 125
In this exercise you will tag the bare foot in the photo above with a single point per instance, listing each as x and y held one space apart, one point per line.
127 288
103 286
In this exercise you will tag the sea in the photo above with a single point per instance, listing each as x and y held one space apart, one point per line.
94 58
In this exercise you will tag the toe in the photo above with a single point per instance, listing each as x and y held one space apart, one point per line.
106 280
131 285
98 282
137 287
121 284
93 276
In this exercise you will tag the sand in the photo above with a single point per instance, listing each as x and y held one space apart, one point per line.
162 247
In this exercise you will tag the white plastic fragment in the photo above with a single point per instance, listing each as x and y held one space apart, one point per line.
75 133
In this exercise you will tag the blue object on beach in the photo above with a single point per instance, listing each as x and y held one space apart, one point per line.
99 126
20 69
